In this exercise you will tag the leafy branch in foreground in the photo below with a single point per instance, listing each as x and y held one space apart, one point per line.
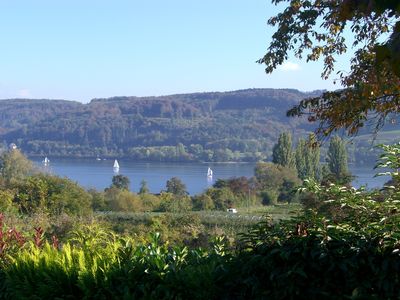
390 159
317 29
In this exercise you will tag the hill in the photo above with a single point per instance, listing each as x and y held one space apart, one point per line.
219 126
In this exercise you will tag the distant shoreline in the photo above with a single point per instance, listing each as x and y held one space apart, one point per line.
39 157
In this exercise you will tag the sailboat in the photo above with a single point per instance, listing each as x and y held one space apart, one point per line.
116 166
46 161
209 173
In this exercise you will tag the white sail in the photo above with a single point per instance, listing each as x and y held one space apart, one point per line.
209 173
116 166
46 161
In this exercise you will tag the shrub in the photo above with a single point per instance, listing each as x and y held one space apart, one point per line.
150 202
269 197
203 202
122 200
173 203
52 194
223 198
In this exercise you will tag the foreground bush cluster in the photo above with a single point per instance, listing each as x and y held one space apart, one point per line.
345 245
307 257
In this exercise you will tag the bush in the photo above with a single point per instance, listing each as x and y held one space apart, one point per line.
150 202
203 202
270 176
269 197
52 194
223 198
122 200
98 200
346 248
173 203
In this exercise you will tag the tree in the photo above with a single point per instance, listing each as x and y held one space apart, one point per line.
337 160
313 157
143 188
316 29
122 200
121 182
98 200
52 194
282 152
203 202
307 158
300 159
14 166
221 197
275 181
171 203
176 186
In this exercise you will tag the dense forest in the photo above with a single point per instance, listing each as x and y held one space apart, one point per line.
222 126
226 126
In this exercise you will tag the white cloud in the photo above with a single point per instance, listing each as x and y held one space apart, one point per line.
289 66
24 93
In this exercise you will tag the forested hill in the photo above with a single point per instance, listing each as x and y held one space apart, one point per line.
218 126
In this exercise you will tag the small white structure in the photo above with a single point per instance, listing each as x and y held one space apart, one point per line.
209 173
232 210
12 146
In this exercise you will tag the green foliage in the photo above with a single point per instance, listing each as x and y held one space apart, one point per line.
337 160
282 152
174 203
52 194
150 202
390 159
98 265
176 186
308 256
307 158
122 200
143 188
14 166
228 126
98 200
7 201
269 197
276 180
203 202
317 30
120 182
223 198
345 246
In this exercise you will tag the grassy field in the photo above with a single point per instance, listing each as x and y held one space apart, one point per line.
249 215
181 226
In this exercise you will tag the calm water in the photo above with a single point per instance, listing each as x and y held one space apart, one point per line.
98 174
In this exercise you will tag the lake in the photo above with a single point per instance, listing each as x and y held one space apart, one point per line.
98 174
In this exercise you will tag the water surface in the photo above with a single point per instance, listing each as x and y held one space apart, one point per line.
98 174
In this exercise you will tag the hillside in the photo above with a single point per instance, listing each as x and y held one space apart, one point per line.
220 126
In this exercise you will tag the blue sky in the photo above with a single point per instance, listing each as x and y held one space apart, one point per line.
79 50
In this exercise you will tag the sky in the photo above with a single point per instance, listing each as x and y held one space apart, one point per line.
80 50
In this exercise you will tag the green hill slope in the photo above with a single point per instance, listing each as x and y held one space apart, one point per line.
220 126
240 125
